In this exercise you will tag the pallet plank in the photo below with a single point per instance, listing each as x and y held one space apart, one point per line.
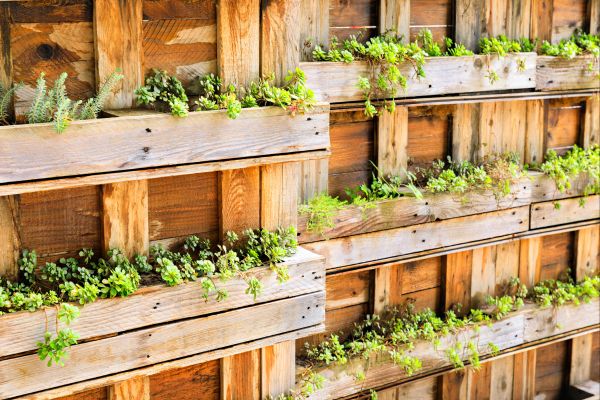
569 210
10 238
557 73
392 142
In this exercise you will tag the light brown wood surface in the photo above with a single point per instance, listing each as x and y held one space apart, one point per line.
10 238
570 210
556 73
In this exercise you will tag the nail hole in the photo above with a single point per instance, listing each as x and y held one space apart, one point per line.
148 130
45 51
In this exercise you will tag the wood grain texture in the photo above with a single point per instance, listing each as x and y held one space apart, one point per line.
383 286
503 128
278 368
530 261
594 16
52 11
457 281
186 48
580 369
465 131
280 38
587 252
470 22
394 15
314 26
153 140
556 73
314 179
379 245
239 200
196 382
591 122
240 376
179 9
159 304
52 49
279 195
502 378
392 142
10 238
524 375
118 44
551 376
6 67
132 389
125 217
336 81
535 133
521 328
238 32
570 210
348 290
557 255
163 343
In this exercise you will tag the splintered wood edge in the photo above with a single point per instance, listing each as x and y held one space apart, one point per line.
180 363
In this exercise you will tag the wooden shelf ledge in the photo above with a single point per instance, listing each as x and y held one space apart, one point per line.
131 142
158 324
527 326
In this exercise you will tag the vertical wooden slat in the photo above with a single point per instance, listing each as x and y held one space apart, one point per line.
279 195
239 200
240 376
530 261
502 378
453 386
314 179
382 287
392 140
507 265
534 134
394 15
541 19
118 43
278 368
6 65
518 22
132 389
503 127
594 16
280 38
238 33
10 242
465 131
524 375
483 276
581 359
314 26
125 217
591 122
469 22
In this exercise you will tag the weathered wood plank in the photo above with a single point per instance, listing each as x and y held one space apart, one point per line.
457 281
469 22
594 16
535 133
389 243
10 237
239 200
465 131
279 195
520 328
6 66
382 289
502 378
314 179
569 210
240 376
587 252
524 375
394 15
406 211
392 142
159 304
336 81
503 127
127 143
314 26
132 389
238 33
278 367
581 359
556 73
591 122
280 38
125 217
145 347
530 261
118 45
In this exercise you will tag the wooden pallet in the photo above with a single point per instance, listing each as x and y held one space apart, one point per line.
556 73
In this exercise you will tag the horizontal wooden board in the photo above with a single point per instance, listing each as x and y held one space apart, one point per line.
527 325
146 140
384 244
154 345
404 211
336 81
19 332
556 73
551 213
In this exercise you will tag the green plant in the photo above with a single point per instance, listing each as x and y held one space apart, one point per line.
55 348
55 106
501 46
320 211
165 92
6 95
579 43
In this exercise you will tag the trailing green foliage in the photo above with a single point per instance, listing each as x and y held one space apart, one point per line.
395 333
500 46
563 169
294 96
55 348
166 92
54 105
495 173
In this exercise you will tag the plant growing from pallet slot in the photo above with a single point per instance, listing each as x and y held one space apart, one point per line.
54 105
579 43
396 331
500 46
87 278
495 173
166 93
564 168
6 95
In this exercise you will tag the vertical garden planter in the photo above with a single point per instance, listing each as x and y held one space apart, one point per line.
557 73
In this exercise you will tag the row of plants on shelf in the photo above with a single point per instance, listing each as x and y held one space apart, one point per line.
162 92
396 332
87 278
386 53
54 105
166 93
495 173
